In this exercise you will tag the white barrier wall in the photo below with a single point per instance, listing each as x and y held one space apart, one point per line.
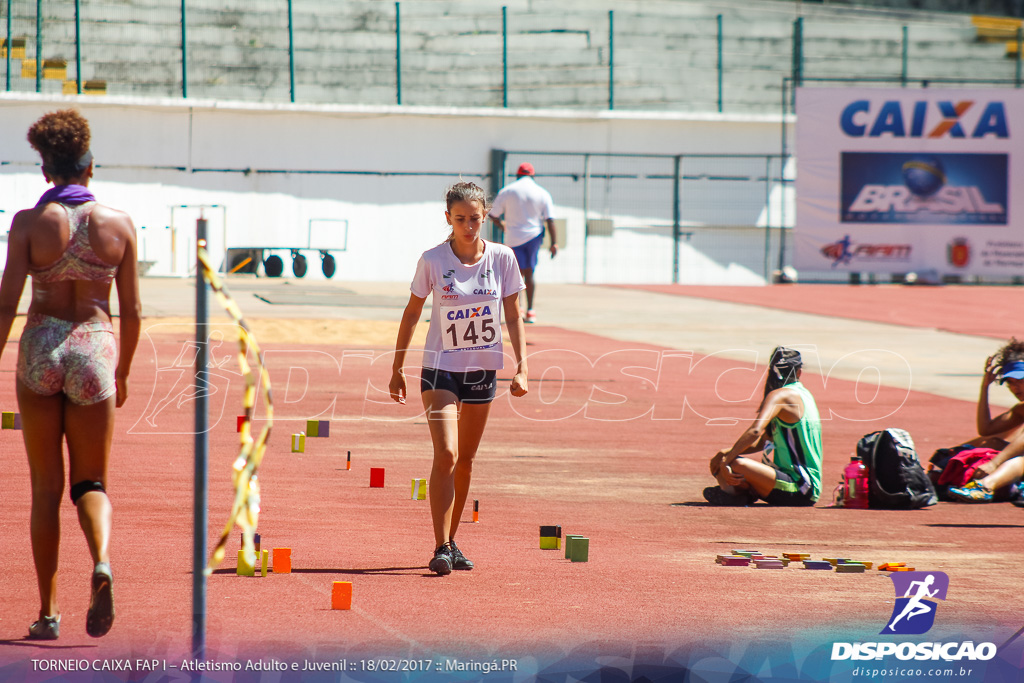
264 172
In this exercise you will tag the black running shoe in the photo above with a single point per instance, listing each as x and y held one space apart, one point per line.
442 562
459 561
716 496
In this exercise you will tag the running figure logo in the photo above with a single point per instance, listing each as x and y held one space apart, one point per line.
916 593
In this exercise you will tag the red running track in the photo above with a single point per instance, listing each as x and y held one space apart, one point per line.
985 311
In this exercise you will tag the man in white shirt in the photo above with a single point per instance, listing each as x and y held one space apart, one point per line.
522 210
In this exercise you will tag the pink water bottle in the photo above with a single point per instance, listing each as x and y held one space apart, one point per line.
855 476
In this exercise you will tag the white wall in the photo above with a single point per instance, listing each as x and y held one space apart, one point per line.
155 154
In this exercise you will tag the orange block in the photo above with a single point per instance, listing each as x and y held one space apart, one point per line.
282 560
341 595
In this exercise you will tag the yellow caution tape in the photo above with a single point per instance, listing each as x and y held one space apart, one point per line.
245 509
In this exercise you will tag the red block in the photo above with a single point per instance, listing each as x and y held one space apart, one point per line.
376 477
241 421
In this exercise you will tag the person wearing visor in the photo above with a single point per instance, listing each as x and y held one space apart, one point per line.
1005 432
523 210
788 428
71 371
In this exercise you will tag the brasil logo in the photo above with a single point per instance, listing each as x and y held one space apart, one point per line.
916 595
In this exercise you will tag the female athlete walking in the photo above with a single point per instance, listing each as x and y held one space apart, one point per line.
70 374
473 282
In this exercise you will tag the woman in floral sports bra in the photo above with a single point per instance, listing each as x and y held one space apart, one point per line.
70 376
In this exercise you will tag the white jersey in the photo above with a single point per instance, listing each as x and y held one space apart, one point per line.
523 206
465 319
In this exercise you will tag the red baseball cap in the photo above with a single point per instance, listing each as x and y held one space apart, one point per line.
525 168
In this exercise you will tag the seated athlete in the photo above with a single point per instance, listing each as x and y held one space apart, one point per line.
1005 432
788 423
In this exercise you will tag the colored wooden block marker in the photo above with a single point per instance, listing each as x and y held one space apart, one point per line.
797 556
282 560
312 428
551 538
902 569
348 461
241 421
376 477
850 568
244 568
889 566
11 420
866 564
769 564
298 443
341 595
419 489
817 564
264 559
735 561
569 540
476 510
323 430
746 553
580 550
17 421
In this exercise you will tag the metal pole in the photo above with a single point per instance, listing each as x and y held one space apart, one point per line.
78 45
720 63
768 216
504 56
903 71
1020 49
9 46
611 59
586 211
184 53
39 45
677 164
201 458
398 52
798 53
291 53
782 174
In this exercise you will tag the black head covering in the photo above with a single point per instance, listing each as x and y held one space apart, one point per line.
782 368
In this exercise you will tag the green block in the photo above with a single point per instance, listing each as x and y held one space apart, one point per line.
580 550
312 427
568 543
8 420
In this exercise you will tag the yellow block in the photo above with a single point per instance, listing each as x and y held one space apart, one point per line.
7 421
419 489
299 443
264 559
17 48
244 568
69 88
28 68
94 87
550 543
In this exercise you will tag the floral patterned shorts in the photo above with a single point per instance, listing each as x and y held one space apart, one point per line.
76 358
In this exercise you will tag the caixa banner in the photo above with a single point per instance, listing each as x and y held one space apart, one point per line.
895 181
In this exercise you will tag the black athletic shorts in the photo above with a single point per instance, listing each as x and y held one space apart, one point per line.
475 386
784 498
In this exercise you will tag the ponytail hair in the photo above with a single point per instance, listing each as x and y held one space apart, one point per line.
464 191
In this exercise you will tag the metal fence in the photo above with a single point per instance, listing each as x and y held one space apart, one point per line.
481 53
650 218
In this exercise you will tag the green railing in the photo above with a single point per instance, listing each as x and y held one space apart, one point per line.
248 55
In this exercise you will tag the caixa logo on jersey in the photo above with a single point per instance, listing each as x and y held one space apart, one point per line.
846 251
924 119
938 189
913 613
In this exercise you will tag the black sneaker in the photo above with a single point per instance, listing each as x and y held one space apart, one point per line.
716 496
459 561
442 562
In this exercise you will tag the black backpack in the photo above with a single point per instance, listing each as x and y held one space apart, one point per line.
898 482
